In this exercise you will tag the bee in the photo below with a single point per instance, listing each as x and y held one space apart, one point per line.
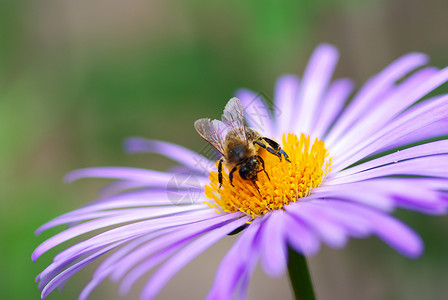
239 145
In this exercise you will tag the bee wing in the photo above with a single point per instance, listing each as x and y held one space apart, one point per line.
213 132
233 117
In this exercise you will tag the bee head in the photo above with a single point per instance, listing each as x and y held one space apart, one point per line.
249 169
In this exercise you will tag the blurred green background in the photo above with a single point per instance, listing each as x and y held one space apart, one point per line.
77 77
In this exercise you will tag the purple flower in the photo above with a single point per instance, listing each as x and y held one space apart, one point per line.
351 166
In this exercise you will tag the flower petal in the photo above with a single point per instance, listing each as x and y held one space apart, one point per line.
186 232
435 166
117 173
256 112
332 104
273 244
124 233
66 274
285 101
138 198
301 237
393 232
240 261
421 194
184 256
355 225
372 91
169 214
177 153
433 148
413 119
406 124
394 102
330 233
162 248
358 192
315 80
119 186
105 268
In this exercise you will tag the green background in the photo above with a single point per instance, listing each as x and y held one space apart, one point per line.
78 77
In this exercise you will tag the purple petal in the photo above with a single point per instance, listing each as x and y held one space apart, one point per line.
124 233
353 224
150 177
365 128
413 193
390 230
115 259
105 268
171 267
372 91
124 201
315 80
66 274
76 218
256 112
436 166
333 235
57 267
393 232
241 259
186 232
148 265
436 130
433 148
397 100
420 194
119 186
114 220
274 252
301 236
118 173
427 202
354 192
406 124
161 247
132 231
141 198
285 102
175 152
241 294
398 235
332 104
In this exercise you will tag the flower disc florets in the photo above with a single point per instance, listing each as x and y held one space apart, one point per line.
287 182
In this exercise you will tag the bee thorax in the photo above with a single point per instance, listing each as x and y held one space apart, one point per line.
237 152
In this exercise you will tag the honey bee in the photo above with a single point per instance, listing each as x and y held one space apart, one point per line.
239 145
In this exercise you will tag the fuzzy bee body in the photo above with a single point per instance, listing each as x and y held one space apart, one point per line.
236 149
243 153
239 145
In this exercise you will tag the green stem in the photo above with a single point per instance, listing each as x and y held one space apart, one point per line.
299 276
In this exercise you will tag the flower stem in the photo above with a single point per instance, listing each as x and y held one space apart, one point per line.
299 276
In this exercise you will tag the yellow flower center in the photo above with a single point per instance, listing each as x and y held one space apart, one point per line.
289 181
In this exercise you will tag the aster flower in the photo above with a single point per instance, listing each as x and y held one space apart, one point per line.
352 162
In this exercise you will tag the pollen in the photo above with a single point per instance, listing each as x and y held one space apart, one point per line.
288 181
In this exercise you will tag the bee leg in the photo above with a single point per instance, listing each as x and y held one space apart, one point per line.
276 147
270 150
231 175
282 152
262 165
255 185
220 172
